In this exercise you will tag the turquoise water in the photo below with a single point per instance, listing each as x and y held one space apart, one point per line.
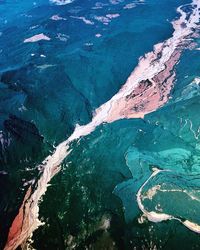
47 87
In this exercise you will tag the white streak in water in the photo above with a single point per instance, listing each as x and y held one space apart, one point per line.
61 2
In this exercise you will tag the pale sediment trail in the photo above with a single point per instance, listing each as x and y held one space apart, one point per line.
146 90
151 216
158 216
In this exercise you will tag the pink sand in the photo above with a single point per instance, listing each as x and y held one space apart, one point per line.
37 38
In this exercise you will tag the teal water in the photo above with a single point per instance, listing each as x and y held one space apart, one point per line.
50 86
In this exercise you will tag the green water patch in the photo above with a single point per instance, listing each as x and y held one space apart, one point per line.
115 161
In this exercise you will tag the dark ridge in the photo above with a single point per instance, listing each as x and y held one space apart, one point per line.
85 100
21 129
15 78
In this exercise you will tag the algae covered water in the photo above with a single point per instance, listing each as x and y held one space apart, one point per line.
99 124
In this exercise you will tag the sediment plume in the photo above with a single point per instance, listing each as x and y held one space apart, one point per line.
147 88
